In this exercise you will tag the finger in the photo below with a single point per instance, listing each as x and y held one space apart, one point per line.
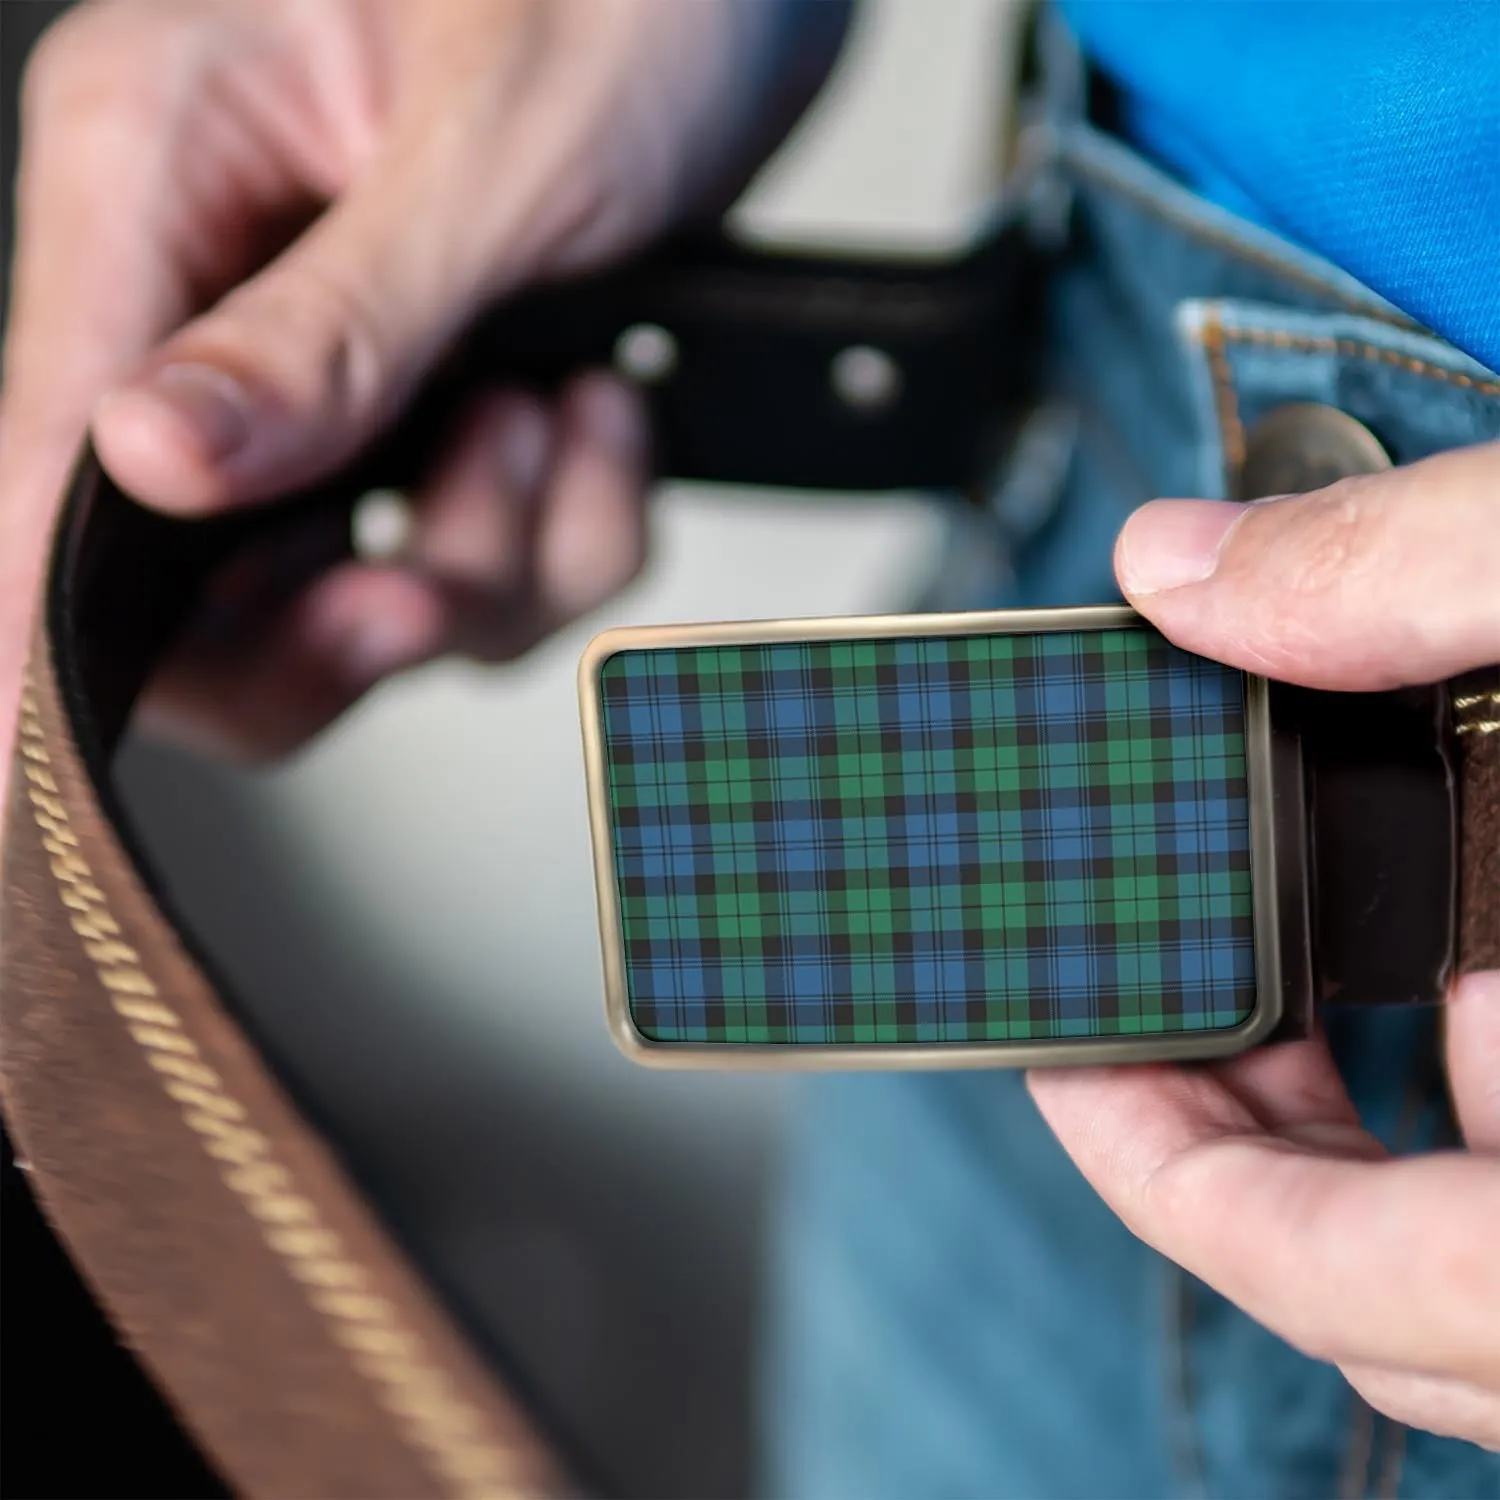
90 291
262 672
86 123
1375 582
94 282
1473 1045
1451 1408
1383 1262
289 375
477 521
592 537
142 191
504 551
515 567
268 691
124 105
296 368
476 514
1294 1089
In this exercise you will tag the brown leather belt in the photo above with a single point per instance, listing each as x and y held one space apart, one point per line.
212 1219
219 1230
1476 713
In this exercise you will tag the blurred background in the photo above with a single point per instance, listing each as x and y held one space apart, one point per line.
408 908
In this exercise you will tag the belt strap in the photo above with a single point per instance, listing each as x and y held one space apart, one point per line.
1476 724
229 1244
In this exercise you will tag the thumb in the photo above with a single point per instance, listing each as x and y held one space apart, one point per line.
1376 582
293 371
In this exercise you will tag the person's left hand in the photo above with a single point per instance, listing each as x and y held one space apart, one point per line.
247 231
1256 1175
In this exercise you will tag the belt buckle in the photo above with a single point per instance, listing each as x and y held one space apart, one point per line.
1008 838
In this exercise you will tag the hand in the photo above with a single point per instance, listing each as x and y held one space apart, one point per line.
1255 1175
246 230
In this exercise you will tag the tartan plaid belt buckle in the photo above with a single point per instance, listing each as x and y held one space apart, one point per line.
1023 837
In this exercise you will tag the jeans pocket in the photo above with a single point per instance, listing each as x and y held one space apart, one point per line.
1417 394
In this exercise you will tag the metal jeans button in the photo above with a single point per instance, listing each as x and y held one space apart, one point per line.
1304 446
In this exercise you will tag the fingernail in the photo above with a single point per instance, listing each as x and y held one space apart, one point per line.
521 445
611 415
1170 543
212 406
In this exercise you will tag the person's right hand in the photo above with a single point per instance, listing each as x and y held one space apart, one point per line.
246 230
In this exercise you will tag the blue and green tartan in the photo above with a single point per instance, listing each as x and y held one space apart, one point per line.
932 839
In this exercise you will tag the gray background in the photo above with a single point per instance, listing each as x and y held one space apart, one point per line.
408 906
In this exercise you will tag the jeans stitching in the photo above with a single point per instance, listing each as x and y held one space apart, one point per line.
1394 1461
1211 336
1420 1083
1352 348
1359 1447
1184 1441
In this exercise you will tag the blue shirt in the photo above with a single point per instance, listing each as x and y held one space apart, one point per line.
1368 132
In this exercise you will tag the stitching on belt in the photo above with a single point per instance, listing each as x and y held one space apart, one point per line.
1476 723
445 1429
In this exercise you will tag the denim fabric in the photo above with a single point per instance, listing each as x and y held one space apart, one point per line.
1368 133
953 1312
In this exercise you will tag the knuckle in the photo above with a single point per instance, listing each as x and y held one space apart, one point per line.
1302 572
354 364
1170 1196
1334 537
319 337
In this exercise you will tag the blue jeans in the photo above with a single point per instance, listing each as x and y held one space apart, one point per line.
953 1312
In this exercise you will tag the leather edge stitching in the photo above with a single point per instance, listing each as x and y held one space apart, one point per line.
1475 722
438 1424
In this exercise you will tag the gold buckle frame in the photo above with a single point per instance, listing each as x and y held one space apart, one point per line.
1276 864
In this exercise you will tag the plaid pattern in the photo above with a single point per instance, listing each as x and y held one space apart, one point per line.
966 839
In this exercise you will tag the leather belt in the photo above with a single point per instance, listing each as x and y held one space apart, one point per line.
211 1217
1476 712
